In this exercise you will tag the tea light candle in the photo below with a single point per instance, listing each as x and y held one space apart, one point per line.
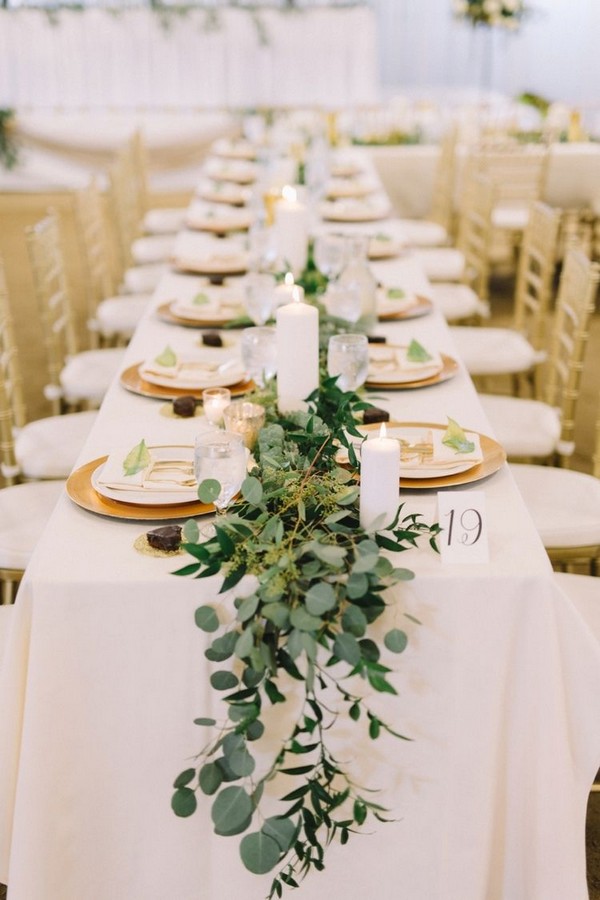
291 230
379 479
287 291
297 337
214 401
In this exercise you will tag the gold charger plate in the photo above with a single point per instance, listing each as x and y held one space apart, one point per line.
81 492
167 315
218 226
422 307
132 381
494 458
448 370
205 267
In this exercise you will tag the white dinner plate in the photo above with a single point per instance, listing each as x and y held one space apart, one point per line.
195 375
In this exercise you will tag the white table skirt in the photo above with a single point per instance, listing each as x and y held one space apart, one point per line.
104 673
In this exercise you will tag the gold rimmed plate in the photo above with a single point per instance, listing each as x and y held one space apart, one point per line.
132 381
421 307
449 369
165 312
217 267
493 458
82 492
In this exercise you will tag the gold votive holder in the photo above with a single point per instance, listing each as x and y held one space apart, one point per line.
245 418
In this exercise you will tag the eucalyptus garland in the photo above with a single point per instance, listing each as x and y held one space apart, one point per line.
319 582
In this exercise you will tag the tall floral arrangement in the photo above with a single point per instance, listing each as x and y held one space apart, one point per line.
493 13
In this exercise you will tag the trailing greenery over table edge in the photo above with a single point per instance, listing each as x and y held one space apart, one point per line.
315 583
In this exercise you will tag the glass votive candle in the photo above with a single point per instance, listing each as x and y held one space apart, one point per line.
214 401
245 418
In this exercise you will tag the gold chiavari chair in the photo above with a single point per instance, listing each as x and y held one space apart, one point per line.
76 379
519 351
544 428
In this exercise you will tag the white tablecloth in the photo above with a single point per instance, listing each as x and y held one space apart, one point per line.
104 673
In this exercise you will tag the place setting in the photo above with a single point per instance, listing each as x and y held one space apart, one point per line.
218 219
223 192
240 172
356 209
212 306
394 302
402 367
216 258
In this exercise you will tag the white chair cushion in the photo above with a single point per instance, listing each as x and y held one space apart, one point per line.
458 301
584 593
523 427
143 279
442 263
24 511
48 448
420 233
494 351
157 248
164 221
120 315
510 217
564 505
88 375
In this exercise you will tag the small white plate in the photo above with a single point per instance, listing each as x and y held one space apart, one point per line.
148 497
194 374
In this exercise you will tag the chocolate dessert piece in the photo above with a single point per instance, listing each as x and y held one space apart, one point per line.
374 414
376 339
212 339
167 537
184 406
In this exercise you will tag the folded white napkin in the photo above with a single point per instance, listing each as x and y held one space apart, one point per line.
160 474
384 360
387 303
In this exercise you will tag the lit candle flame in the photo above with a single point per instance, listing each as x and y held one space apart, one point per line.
289 193
289 279
383 431
296 294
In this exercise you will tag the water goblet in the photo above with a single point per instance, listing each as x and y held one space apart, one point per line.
259 296
259 353
348 358
330 254
214 401
343 301
221 455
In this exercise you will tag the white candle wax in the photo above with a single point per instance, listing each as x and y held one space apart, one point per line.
291 230
379 480
287 291
297 328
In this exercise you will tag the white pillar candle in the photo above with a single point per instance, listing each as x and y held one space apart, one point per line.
297 330
291 230
287 291
379 480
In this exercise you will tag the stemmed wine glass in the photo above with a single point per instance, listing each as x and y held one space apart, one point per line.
221 455
330 254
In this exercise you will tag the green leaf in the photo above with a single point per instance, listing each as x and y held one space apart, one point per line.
201 299
374 728
320 598
360 812
184 778
168 357
369 650
303 621
190 531
273 693
396 640
244 825
365 563
244 644
417 353
395 293
206 618
354 621
247 607
137 459
354 712
357 586
277 613
259 852
252 490
282 830
223 681
255 730
209 490
241 762
211 778
183 802
231 808
455 437
346 647
222 647
204 721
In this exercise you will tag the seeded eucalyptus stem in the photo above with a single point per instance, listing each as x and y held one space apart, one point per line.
308 583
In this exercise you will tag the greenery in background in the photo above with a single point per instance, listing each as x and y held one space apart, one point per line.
319 583
392 138
9 150
491 13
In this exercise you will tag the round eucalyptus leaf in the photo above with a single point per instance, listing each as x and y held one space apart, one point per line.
277 613
247 607
244 644
260 853
242 762
365 563
240 711
232 742
354 621
184 778
357 586
204 721
191 531
346 647
252 490
209 490
396 640
211 778
183 802
303 621
281 830
226 770
255 730
251 677
223 681
206 618
236 829
231 808
320 598
222 647
369 650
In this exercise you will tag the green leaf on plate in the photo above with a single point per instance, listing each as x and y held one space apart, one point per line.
395 293
417 353
137 459
167 358
455 437
201 299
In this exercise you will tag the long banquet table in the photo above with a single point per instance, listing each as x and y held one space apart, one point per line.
104 673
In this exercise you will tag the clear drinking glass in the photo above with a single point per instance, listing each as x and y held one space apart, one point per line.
259 353
259 293
330 254
214 401
348 357
221 455
343 301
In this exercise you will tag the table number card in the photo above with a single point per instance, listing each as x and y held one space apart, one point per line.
464 535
